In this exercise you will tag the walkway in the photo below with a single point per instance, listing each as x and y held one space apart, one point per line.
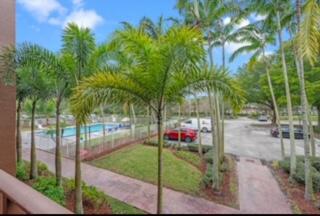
259 192
134 192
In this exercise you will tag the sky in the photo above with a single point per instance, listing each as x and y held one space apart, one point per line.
43 21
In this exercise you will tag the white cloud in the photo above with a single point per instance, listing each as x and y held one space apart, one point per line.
43 9
77 3
84 18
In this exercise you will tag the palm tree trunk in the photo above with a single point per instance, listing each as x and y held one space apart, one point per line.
58 145
33 165
103 123
160 160
18 134
275 105
312 140
85 136
218 125
223 55
149 123
215 167
179 125
199 128
222 126
78 182
289 103
318 108
304 102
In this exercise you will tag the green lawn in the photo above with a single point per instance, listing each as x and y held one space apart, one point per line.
140 162
190 157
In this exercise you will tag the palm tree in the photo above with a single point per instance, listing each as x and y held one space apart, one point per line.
160 70
276 17
60 68
309 34
304 103
258 38
33 70
79 43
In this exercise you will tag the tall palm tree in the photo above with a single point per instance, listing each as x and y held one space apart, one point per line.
33 70
80 44
276 11
258 38
160 71
304 103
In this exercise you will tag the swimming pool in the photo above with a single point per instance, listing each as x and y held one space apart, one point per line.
71 131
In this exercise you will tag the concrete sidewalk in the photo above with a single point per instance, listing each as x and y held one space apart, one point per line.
259 192
134 192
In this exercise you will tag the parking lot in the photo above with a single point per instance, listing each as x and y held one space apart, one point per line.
247 137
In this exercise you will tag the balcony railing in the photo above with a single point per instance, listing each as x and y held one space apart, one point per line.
18 198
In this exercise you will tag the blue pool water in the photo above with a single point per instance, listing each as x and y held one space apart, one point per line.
71 131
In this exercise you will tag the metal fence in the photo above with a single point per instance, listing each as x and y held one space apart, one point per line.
96 143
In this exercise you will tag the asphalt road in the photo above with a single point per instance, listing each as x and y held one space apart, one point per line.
250 138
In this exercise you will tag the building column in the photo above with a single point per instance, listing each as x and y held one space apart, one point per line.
7 93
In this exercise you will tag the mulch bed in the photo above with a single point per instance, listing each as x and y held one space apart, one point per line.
228 195
88 206
295 193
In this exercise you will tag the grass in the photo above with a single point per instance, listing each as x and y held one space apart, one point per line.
119 207
190 157
140 162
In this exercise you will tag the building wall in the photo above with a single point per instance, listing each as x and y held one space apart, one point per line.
7 93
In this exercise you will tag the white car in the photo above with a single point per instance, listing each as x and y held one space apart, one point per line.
205 124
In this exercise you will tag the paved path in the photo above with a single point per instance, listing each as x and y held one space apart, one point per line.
259 192
134 192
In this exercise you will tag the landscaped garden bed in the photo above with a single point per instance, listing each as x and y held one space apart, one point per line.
294 189
94 201
183 171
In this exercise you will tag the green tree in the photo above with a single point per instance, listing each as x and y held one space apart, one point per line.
33 71
79 43
160 71
258 38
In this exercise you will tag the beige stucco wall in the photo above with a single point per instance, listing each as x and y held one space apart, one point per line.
7 93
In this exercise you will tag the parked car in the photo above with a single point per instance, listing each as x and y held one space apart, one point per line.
205 124
298 132
187 135
263 118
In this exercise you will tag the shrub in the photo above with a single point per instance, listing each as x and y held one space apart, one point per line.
207 178
195 148
47 186
93 195
42 168
299 176
22 171
155 143
208 157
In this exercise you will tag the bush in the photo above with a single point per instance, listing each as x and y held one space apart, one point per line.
47 186
195 148
155 143
207 178
22 171
42 168
208 157
299 176
93 195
